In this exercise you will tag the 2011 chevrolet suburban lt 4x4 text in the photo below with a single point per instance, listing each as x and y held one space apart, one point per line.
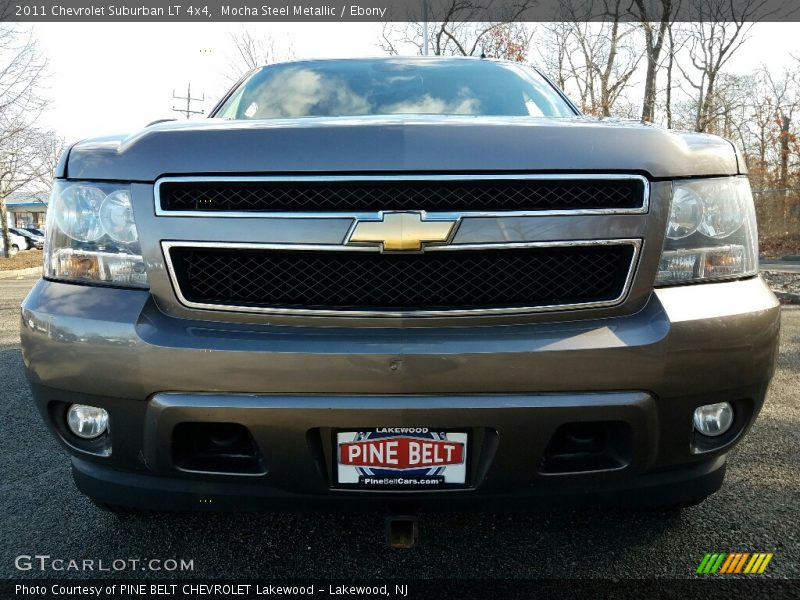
399 280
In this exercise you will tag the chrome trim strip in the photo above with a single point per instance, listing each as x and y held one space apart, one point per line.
168 245
400 177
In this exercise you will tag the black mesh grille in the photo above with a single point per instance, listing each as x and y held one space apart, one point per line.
368 196
453 279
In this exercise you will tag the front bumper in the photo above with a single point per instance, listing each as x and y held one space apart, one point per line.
512 387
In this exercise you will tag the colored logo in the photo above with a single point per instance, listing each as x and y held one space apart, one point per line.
402 231
734 563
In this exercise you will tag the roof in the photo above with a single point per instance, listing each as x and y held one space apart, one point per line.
27 200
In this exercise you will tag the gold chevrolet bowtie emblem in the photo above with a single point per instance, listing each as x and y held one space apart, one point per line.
402 231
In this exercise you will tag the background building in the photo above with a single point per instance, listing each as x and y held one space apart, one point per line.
27 209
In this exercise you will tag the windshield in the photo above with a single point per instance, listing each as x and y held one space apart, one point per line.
337 88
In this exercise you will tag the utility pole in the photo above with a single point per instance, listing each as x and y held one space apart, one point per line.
188 112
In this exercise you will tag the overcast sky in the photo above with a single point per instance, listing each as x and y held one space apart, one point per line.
114 77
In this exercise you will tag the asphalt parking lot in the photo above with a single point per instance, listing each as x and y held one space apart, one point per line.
758 510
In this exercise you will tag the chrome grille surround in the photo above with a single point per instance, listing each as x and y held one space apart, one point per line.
399 178
167 246
461 217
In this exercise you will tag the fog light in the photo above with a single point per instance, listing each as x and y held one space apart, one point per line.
87 421
713 419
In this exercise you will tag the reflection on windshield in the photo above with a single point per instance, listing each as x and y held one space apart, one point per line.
427 104
390 87
302 92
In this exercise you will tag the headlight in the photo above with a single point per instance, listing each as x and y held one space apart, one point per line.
685 214
711 234
92 236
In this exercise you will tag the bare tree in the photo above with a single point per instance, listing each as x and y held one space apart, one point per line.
759 139
785 92
621 58
252 50
26 163
670 71
560 54
22 68
48 152
455 28
713 40
553 51
510 41
732 105
598 59
776 102
657 28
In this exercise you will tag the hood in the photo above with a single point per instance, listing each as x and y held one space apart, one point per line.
409 144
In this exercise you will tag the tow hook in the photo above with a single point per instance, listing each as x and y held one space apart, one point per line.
402 530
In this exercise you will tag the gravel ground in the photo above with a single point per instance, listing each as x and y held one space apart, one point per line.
783 282
758 509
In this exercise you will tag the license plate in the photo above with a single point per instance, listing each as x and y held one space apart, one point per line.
401 458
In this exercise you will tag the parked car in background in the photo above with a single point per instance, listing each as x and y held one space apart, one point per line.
32 239
27 243
17 242
38 236
410 282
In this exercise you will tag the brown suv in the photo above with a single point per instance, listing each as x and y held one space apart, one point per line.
399 281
